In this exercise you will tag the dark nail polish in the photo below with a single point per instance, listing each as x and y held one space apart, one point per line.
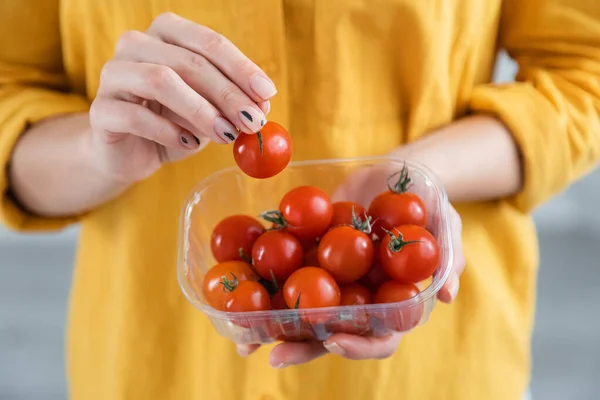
262 122
229 136
197 140
247 115
184 140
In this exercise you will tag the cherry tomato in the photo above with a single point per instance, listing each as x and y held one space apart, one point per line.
342 213
311 258
393 292
248 296
304 211
409 254
346 253
232 234
354 294
397 207
276 254
400 320
216 281
311 287
376 275
277 302
267 159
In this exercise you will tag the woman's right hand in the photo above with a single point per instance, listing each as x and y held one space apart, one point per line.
167 92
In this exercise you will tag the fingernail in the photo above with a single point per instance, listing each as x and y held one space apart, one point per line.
225 130
335 348
242 351
188 140
266 107
454 286
281 365
253 118
262 86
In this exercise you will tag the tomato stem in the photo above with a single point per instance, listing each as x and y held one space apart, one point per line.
274 280
357 223
229 285
297 303
274 217
403 182
397 243
245 257
260 142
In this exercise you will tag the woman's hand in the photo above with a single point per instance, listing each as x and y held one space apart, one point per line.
167 92
362 187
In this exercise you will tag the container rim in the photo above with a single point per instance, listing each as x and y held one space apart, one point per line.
439 278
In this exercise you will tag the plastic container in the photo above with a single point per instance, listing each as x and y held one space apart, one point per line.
359 179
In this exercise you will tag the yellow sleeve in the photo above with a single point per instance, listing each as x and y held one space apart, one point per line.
33 86
553 108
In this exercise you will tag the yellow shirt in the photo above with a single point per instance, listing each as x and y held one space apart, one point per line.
355 78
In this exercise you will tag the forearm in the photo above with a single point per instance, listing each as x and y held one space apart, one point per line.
51 172
475 158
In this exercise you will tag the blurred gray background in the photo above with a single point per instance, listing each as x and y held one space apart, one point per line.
35 276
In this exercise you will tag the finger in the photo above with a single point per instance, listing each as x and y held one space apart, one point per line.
363 348
292 353
116 116
160 83
198 73
265 107
199 39
244 350
449 291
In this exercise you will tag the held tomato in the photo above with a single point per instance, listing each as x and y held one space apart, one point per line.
409 254
311 287
397 207
304 211
376 275
400 320
276 254
248 296
265 154
342 213
215 281
346 253
232 234
354 294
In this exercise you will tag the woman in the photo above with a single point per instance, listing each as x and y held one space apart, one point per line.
111 111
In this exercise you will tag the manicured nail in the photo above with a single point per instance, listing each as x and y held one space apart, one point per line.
335 348
281 365
225 130
253 118
243 351
262 86
188 140
454 286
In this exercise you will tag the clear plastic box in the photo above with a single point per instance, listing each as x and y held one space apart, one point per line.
230 192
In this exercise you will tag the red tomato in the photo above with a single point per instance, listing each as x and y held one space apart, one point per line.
399 320
393 292
342 213
409 254
232 234
346 253
311 287
276 254
397 207
376 275
354 294
304 211
265 154
311 258
277 302
215 283
248 296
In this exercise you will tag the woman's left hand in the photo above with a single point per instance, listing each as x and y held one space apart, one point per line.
357 347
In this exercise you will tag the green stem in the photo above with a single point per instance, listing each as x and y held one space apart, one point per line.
245 257
397 243
297 303
403 182
229 285
274 217
260 142
357 223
